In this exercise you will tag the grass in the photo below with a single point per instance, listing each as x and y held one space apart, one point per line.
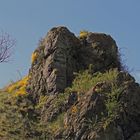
61 98
42 101
84 80
57 124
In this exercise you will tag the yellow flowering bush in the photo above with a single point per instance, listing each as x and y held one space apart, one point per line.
19 87
74 109
34 56
83 34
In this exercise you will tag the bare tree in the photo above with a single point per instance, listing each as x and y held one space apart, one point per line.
6 44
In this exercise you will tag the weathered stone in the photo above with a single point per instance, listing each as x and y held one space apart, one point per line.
73 97
86 119
60 54
53 69
112 133
129 116
87 111
101 51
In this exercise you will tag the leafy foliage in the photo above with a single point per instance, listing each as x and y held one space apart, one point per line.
20 119
42 101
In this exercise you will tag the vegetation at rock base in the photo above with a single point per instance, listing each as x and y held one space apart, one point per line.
19 112
14 121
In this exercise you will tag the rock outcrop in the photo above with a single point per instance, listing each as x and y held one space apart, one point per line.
60 54
101 51
56 61
90 120
76 89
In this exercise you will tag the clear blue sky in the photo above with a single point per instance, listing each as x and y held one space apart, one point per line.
29 20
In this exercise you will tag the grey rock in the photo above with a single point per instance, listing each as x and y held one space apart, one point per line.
53 70
61 53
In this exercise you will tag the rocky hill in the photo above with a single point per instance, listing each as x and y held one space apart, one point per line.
76 89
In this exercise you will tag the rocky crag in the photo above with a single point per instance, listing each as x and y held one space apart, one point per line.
61 53
77 89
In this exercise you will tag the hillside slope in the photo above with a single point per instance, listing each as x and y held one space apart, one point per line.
76 89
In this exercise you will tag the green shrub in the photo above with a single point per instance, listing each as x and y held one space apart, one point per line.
14 122
84 80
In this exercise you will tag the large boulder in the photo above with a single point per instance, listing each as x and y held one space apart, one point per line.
101 51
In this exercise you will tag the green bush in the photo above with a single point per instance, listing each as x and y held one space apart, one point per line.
84 80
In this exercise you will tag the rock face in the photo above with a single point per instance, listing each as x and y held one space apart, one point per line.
88 121
101 51
61 53
110 110
53 69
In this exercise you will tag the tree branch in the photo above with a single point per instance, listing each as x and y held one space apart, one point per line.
6 44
